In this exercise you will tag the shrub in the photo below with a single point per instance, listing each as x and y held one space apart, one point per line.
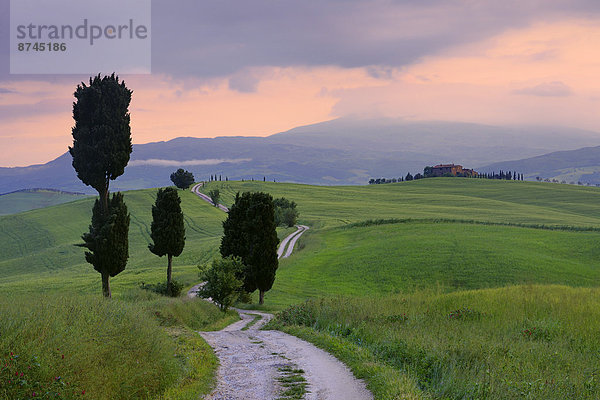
297 314
223 281
285 212
162 288
214 195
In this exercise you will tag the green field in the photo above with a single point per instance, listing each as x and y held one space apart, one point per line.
461 234
12 203
439 244
523 342
38 252
470 199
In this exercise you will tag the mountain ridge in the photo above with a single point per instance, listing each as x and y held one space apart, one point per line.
339 151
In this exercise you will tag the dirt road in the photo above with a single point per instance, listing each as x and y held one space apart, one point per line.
291 239
197 192
252 361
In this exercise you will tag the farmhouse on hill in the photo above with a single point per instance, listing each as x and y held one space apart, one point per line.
452 169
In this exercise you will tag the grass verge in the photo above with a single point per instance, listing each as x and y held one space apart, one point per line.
521 342
142 347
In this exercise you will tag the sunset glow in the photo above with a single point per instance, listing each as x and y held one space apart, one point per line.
543 73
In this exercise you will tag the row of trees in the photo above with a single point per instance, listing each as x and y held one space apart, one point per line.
514 176
408 177
101 151
427 173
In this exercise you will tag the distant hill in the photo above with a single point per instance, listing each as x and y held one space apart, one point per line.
30 199
466 143
582 165
341 151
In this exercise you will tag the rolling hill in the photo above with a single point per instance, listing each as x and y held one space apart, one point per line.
436 288
30 199
451 233
571 166
342 151
453 221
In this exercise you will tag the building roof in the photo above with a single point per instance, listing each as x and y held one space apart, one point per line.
446 166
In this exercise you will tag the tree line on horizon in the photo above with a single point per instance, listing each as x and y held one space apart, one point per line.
428 173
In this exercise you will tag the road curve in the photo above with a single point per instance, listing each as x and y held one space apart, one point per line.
251 362
197 192
291 239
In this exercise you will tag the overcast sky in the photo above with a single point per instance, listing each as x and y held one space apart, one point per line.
256 67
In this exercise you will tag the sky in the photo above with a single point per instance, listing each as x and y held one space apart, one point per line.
258 67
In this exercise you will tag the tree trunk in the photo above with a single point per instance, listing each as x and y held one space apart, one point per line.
261 298
169 265
106 285
104 200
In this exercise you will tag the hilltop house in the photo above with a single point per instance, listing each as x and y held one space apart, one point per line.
451 169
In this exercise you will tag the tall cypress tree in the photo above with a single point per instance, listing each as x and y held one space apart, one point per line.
249 232
101 135
167 229
101 150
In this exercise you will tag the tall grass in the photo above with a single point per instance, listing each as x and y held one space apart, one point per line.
136 347
106 348
523 342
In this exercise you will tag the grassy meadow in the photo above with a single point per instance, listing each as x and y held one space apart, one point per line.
516 342
467 199
385 267
465 289
447 233
38 251
16 202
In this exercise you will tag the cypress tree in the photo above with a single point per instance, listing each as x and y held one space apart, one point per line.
107 240
249 232
167 229
101 150
101 135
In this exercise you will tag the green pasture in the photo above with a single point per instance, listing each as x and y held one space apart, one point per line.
515 342
12 203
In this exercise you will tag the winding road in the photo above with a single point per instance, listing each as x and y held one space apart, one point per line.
252 361
197 192
289 242
251 364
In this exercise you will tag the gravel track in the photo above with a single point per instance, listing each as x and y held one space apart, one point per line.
197 192
250 363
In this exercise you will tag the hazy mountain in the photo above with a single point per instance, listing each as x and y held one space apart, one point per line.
343 151
582 165
465 143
